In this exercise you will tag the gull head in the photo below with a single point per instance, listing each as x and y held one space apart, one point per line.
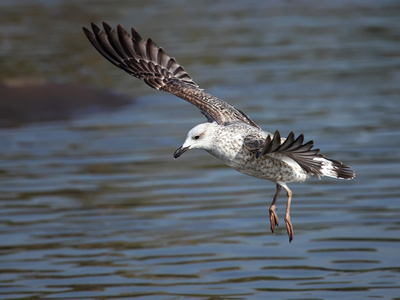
199 137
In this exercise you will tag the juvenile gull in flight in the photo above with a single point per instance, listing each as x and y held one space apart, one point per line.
230 135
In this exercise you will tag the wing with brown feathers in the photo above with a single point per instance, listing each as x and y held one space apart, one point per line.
293 148
146 61
308 159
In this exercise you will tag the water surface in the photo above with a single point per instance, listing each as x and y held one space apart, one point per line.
95 207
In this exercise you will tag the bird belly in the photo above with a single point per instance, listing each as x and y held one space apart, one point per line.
263 167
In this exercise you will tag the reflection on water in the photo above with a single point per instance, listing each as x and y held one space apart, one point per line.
96 207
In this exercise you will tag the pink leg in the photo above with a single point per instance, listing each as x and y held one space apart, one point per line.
289 226
273 217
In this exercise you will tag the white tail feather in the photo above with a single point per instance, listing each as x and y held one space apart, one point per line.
335 169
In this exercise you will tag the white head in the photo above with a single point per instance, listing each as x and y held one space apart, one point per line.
199 137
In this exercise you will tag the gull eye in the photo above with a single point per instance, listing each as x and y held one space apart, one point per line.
196 137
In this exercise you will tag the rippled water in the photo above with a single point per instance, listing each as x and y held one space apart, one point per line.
95 207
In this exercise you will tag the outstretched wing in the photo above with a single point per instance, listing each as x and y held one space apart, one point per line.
308 159
146 61
293 148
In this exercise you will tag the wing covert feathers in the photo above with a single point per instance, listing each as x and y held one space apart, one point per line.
148 62
309 159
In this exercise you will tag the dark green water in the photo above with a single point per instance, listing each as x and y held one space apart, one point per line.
94 206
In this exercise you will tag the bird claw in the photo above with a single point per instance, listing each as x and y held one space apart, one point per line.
289 228
273 217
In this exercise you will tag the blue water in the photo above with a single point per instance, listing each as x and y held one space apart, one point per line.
95 206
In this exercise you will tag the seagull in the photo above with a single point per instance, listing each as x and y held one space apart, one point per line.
229 134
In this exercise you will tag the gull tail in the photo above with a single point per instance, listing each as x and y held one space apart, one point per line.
144 60
335 169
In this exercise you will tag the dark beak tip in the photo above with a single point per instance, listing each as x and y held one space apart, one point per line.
178 152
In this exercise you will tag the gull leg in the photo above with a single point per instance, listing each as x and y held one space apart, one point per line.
273 217
289 226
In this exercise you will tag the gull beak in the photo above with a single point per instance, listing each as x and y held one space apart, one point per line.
180 151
